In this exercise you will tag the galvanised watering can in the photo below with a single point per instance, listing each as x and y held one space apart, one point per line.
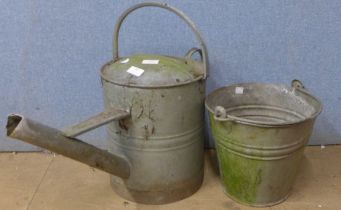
154 111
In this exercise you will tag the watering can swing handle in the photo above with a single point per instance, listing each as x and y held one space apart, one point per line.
180 14
190 53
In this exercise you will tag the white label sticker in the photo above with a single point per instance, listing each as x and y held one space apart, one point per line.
150 62
135 71
239 90
125 60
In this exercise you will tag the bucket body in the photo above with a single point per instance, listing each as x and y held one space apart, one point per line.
163 140
260 141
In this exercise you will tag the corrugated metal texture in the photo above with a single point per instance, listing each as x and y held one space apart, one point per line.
51 52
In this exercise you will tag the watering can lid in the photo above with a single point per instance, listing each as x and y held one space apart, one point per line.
152 71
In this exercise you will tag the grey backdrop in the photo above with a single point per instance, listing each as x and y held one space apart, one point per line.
51 52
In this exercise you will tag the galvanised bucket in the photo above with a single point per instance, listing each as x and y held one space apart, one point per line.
260 132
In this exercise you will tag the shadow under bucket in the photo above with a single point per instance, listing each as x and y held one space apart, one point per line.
260 132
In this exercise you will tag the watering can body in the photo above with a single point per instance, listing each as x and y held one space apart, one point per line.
154 115
162 138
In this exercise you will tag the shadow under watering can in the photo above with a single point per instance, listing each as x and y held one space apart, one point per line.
154 111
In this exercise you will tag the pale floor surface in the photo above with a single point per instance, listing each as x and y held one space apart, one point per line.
46 181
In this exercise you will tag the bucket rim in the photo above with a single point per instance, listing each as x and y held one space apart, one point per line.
257 123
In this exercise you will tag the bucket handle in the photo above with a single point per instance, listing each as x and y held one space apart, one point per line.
221 114
297 84
171 9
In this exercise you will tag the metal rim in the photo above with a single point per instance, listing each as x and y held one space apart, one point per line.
104 77
245 121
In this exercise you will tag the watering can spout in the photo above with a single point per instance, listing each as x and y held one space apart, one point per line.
22 128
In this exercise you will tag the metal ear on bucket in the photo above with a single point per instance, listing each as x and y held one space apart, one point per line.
154 111
260 132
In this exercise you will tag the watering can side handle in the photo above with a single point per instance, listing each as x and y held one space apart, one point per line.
190 53
95 121
171 9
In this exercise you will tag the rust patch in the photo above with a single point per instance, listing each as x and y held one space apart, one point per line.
141 113
150 115
150 111
153 130
124 124
146 132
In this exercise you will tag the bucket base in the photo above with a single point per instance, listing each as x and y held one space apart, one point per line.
256 204
170 193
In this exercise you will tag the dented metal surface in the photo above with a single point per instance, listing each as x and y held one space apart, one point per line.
260 132
155 116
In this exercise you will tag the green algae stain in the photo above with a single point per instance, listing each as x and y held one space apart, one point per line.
241 176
